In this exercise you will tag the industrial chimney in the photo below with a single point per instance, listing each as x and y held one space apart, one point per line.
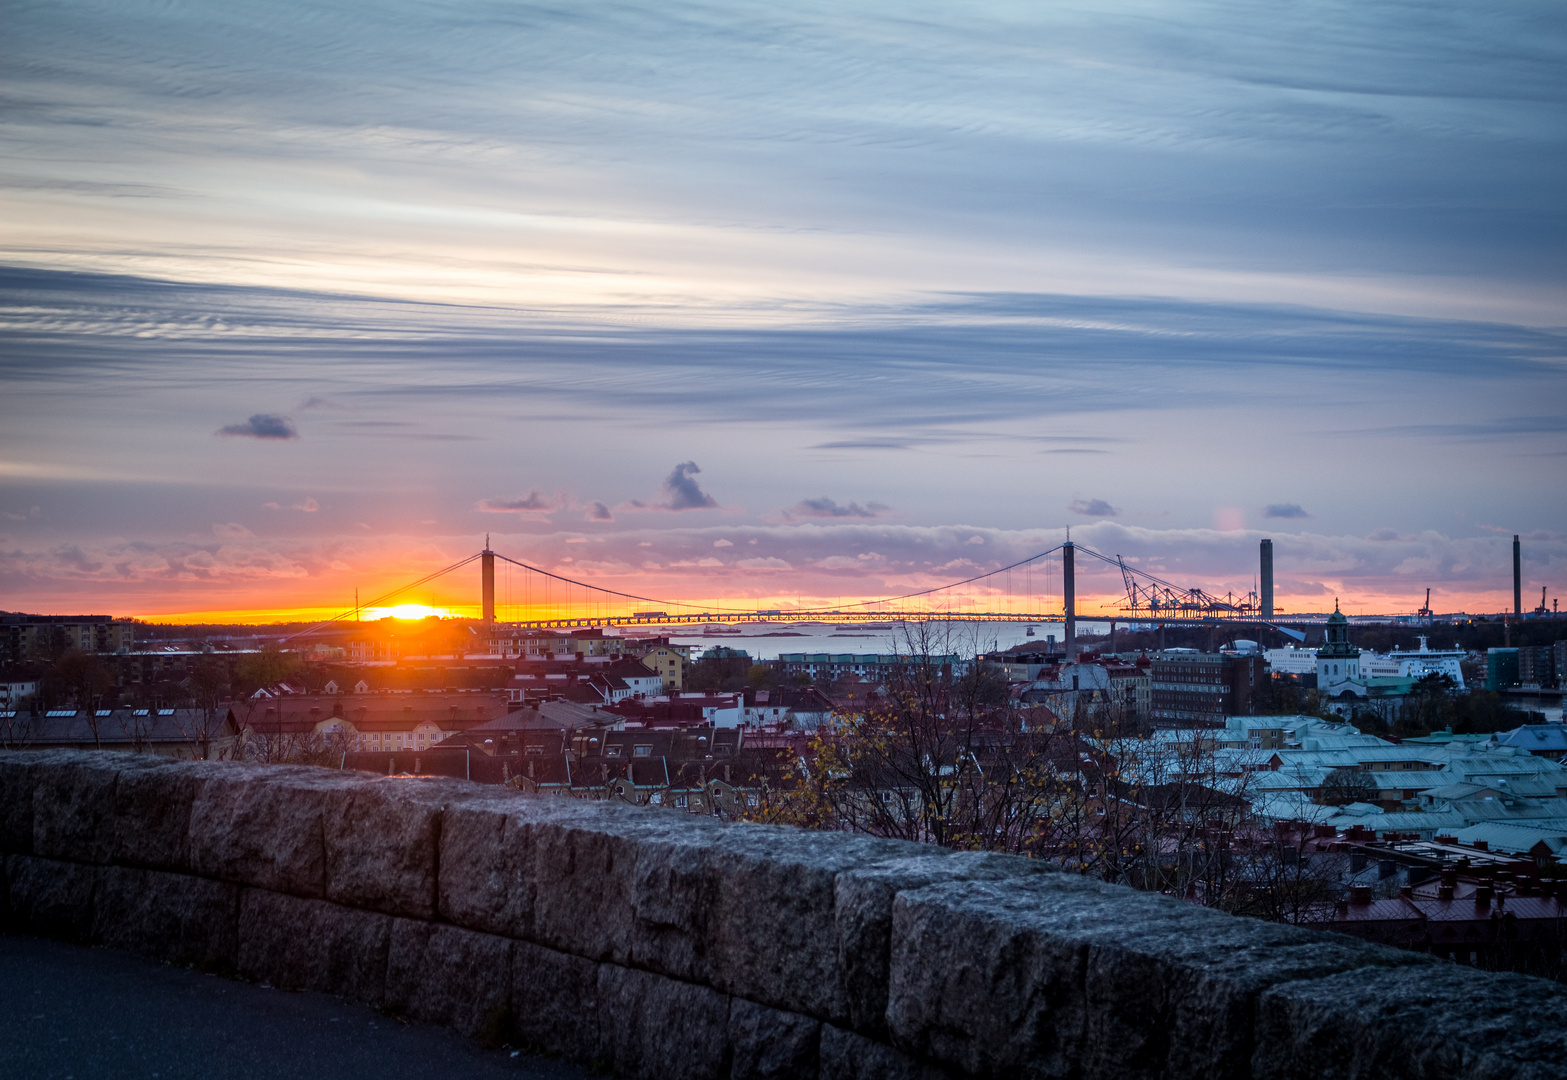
1266 600
1517 577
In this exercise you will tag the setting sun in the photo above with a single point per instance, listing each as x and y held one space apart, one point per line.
407 611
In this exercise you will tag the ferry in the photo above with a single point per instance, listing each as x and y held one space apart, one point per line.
1414 665
714 630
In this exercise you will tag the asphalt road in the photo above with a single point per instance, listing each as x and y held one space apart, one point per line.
72 1013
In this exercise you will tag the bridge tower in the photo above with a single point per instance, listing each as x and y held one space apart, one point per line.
1069 597
487 581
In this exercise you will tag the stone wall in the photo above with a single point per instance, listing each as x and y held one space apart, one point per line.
660 945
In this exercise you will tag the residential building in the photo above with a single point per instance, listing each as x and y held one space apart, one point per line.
188 734
1292 661
803 708
1069 690
825 667
371 722
14 691
1537 667
42 637
669 661
1540 740
1202 689
681 710
1501 669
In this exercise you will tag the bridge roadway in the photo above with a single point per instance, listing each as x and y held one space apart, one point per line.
821 617
75 1013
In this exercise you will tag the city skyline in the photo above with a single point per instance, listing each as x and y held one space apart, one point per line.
730 302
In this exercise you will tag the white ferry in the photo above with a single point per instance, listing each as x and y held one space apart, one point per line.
1414 665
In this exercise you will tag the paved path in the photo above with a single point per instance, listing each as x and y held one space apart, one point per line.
72 1013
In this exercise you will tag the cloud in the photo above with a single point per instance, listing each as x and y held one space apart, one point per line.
262 426
1284 510
681 491
1092 508
865 444
721 543
309 506
534 502
597 512
73 557
232 531
828 508
31 514
321 403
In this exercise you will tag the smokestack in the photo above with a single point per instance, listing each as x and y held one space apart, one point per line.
1069 595
1266 599
487 582
1517 577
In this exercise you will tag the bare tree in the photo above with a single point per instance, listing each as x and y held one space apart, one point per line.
137 725
940 756
17 727
209 684
1344 786
85 681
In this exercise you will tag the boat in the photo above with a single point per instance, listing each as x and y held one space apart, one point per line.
1029 632
710 631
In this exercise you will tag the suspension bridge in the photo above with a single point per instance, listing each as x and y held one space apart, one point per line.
1039 589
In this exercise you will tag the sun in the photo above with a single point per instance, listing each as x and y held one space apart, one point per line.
407 611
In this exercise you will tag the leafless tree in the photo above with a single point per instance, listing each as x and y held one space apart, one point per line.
17 728
85 680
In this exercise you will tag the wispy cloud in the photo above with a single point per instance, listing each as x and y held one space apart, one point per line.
308 506
1284 510
830 508
534 502
1093 508
262 426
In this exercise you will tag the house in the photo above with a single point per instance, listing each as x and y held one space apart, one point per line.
805 708
187 734
681 710
370 722
669 661
1539 740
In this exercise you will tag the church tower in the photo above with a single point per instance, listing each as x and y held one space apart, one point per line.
1338 662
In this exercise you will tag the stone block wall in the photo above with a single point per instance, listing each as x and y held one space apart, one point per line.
661 945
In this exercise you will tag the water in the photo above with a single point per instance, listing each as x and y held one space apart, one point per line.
765 641
1550 706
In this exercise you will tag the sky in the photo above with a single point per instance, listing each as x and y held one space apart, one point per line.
778 303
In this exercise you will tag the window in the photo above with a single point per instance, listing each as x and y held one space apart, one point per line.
642 751
612 751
